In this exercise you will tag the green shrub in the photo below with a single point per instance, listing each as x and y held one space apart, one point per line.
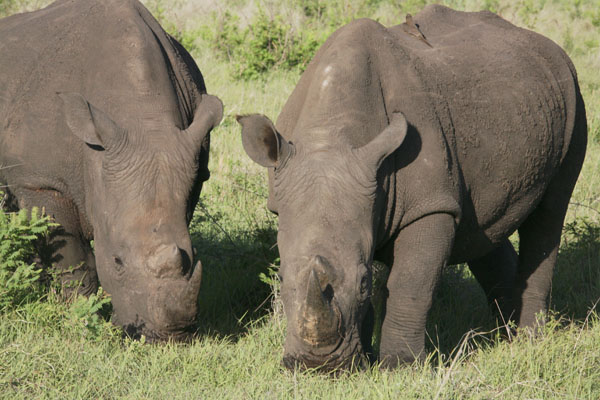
90 314
271 42
266 43
19 278
412 6
7 7
312 8
159 10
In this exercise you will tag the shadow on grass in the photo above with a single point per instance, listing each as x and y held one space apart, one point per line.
233 295
576 283
459 306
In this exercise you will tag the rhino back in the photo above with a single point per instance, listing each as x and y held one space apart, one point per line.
113 53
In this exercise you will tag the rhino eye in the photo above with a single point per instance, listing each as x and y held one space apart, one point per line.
118 263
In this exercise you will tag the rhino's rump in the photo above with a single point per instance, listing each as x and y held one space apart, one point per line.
510 97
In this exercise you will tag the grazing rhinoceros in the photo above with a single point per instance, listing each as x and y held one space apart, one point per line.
418 149
104 123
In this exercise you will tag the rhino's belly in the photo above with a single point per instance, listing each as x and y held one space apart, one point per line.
492 213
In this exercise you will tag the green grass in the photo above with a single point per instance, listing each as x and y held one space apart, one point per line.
47 350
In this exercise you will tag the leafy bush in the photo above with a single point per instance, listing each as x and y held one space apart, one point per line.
91 313
312 8
19 278
265 44
159 10
7 8
271 42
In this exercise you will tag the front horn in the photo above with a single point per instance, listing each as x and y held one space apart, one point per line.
319 323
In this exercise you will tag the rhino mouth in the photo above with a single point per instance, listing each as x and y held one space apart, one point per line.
346 358
164 311
184 334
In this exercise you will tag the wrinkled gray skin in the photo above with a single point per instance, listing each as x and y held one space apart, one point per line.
418 157
104 122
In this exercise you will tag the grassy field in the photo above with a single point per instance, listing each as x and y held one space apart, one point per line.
56 350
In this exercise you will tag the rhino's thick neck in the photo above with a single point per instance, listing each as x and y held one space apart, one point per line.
339 102
339 97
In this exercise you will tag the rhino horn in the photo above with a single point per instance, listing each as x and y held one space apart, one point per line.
319 322
315 301
195 279
193 288
167 260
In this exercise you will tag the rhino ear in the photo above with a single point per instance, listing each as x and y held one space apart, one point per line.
261 140
88 123
208 115
384 144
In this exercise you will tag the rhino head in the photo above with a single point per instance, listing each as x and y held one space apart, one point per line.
141 186
326 199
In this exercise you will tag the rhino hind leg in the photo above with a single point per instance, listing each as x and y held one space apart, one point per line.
538 250
541 231
496 273
65 249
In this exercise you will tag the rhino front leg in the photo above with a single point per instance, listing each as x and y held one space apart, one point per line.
66 249
73 259
420 252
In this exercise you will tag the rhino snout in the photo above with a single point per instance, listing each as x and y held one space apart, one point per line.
346 356
172 307
321 333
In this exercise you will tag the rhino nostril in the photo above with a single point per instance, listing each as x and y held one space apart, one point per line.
328 293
